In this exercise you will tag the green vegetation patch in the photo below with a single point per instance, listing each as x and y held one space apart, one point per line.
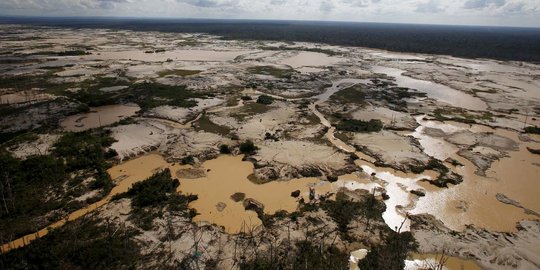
265 99
461 115
532 130
86 243
284 73
248 147
344 210
154 195
205 124
391 253
250 109
353 94
30 189
353 125
178 72
151 95
300 255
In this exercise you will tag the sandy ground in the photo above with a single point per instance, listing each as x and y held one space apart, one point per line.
392 149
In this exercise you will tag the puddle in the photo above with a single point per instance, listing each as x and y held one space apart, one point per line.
311 59
99 116
435 91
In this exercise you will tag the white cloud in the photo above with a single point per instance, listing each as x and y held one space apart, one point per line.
483 12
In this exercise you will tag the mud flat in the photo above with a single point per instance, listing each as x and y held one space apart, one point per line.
179 55
435 91
311 59
98 117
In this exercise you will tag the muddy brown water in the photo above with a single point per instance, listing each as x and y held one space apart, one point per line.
228 175
474 201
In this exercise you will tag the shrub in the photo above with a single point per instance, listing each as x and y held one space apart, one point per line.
353 125
248 147
533 130
224 149
154 190
265 99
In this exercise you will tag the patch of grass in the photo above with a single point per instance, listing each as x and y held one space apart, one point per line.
354 94
272 71
250 109
22 138
353 125
178 72
532 130
205 124
151 95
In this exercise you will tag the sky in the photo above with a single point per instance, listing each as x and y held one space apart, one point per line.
454 12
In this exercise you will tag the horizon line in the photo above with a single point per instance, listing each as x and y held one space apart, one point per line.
97 17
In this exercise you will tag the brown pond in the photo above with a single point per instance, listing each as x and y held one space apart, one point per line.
99 116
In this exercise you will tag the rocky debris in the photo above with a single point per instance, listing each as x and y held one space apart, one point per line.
47 114
534 151
252 204
238 196
481 161
504 199
331 178
443 180
418 192
221 206
434 132
191 173
201 145
492 250
295 194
